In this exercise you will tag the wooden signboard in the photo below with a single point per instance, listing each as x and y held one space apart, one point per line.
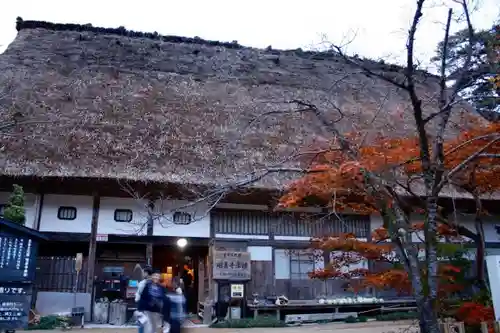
79 262
231 265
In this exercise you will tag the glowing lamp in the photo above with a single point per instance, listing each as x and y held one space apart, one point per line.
182 242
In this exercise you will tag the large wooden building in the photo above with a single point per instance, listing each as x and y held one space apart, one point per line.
126 131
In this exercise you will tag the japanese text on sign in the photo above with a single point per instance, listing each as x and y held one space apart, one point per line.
11 311
14 305
15 255
231 265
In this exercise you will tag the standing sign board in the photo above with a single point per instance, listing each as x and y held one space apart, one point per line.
231 266
15 301
18 251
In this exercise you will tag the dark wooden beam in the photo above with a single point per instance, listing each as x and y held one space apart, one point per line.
62 237
150 232
93 242
38 217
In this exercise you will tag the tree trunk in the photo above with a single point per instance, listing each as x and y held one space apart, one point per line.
428 321
480 253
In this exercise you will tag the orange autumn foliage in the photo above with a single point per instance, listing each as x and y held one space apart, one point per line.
351 180
338 178
349 250
472 313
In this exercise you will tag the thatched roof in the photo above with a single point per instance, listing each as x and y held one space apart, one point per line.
110 103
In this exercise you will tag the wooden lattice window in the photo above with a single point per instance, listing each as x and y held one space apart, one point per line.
182 218
123 215
66 213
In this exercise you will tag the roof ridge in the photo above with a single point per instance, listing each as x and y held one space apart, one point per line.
121 31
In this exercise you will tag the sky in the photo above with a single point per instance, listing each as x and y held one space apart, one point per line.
373 28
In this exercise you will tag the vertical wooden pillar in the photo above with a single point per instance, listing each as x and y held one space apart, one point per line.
212 284
93 243
150 222
209 304
38 212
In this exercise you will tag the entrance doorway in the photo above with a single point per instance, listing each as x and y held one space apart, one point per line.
175 264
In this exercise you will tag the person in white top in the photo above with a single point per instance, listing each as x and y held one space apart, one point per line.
146 274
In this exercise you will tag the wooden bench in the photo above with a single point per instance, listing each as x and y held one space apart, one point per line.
292 305
310 305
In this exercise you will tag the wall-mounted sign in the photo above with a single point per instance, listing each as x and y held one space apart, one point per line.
231 265
237 290
101 238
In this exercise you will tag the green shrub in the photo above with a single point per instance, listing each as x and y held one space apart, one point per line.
249 323
362 319
14 209
351 319
397 316
50 323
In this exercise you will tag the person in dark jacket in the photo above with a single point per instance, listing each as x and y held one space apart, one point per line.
152 303
175 310
146 274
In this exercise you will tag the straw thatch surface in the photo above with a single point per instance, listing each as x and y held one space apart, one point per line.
174 109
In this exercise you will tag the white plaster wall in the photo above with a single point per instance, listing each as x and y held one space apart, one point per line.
261 253
107 223
375 222
30 206
489 223
266 208
295 238
238 236
467 221
163 222
51 204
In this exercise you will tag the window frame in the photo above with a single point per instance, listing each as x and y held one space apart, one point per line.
123 210
299 258
61 208
182 214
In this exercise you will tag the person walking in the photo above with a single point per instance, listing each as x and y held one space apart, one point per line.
152 303
175 310
146 275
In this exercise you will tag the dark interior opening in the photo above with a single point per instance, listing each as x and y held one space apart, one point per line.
172 262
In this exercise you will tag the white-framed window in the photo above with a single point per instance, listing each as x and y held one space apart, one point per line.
66 213
301 263
182 218
123 215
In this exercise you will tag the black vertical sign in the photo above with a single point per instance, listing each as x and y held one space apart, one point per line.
17 258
